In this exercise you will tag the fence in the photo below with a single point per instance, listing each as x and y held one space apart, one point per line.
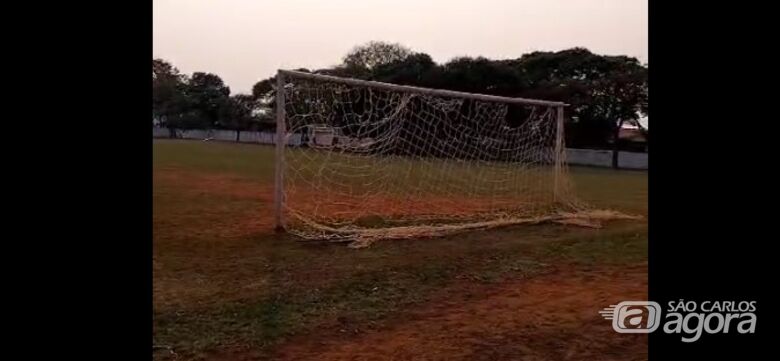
603 158
224 135
586 157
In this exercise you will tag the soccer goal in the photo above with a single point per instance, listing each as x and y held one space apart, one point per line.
363 160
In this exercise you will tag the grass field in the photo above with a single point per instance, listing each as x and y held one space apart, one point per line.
227 287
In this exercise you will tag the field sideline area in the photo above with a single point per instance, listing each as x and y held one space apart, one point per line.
227 287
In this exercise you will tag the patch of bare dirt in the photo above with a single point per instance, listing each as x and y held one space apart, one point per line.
223 219
346 206
551 317
225 184
204 225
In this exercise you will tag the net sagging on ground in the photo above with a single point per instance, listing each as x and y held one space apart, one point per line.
372 163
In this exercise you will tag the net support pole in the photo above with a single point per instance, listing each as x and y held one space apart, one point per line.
558 167
279 155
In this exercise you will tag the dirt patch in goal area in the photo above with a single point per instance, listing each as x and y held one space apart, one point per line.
550 317
227 215
344 205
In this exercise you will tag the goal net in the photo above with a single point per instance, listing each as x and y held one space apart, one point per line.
365 160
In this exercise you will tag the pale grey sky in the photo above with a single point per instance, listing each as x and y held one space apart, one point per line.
244 41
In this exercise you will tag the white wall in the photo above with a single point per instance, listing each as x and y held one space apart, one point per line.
225 135
603 158
160 132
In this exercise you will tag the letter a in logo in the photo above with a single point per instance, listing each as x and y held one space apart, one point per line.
633 316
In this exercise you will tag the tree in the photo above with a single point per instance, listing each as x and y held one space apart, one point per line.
604 92
415 69
362 59
239 113
207 94
264 94
616 97
263 90
480 75
168 93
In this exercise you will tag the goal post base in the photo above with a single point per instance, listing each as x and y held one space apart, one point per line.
364 237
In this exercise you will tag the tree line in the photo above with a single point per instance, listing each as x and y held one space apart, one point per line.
604 92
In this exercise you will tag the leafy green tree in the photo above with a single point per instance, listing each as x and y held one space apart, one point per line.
604 92
480 75
168 93
263 90
415 69
363 59
239 113
207 95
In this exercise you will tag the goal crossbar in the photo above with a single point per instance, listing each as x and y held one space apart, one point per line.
419 90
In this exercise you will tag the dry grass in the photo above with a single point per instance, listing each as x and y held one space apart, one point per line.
224 281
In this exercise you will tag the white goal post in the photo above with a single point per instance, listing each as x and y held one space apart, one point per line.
398 161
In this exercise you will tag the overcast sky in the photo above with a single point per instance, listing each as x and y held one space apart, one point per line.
244 41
